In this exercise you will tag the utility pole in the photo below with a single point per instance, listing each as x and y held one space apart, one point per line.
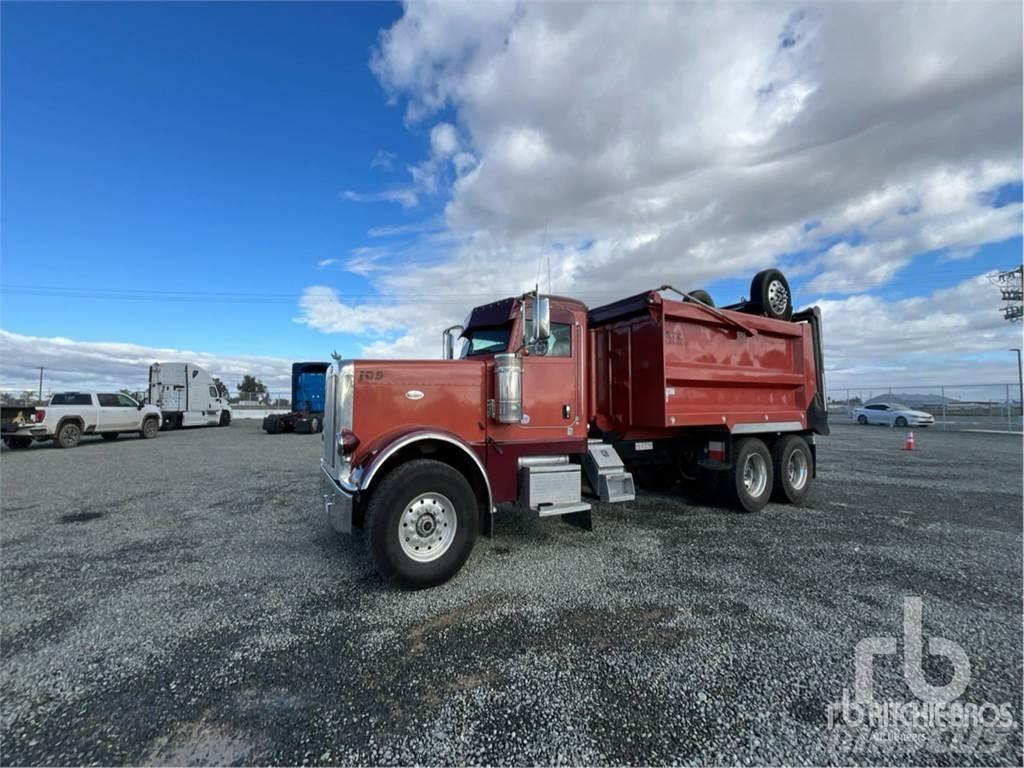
40 383
1011 285
1020 381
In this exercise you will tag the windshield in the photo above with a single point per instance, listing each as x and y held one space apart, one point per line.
482 341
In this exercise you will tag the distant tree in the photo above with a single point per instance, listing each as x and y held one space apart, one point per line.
29 397
222 388
7 397
252 389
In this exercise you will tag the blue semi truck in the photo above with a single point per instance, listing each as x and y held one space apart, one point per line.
307 414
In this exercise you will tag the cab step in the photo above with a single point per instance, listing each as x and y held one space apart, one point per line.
551 485
607 474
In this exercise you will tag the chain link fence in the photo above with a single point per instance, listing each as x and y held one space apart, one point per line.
271 399
958 407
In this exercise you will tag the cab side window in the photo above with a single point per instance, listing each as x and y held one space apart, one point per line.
213 392
559 343
125 402
108 401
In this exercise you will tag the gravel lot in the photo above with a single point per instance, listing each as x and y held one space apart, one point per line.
182 600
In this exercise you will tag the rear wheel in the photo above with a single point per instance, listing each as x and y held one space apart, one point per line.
109 435
422 523
769 291
748 483
862 419
150 428
17 443
794 469
68 436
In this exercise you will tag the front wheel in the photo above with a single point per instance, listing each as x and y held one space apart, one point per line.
225 418
794 469
862 419
901 422
150 428
422 524
748 482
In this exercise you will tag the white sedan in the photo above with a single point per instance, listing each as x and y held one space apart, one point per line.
891 415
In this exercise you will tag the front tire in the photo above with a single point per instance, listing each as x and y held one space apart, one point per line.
225 418
862 420
150 428
68 436
794 469
901 422
748 483
109 435
422 524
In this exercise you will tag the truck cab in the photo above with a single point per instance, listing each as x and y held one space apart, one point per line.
534 391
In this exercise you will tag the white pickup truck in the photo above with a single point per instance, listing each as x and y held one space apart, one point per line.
69 415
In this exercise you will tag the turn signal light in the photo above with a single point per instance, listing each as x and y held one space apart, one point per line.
347 441
40 415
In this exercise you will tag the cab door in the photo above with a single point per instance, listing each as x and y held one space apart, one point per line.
551 386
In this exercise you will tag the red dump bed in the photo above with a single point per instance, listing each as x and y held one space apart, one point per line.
660 364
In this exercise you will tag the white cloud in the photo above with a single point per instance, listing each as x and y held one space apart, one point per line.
326 262
384 160
407 196
321 308
103 365
637 144
363 261
924 339
444 141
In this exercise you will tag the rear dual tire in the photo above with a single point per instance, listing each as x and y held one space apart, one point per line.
794 469
422 523
748 482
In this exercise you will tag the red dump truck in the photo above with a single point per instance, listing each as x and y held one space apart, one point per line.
546 393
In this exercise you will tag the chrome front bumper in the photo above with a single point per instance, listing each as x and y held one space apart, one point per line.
337 502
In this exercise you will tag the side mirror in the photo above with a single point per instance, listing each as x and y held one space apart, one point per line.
448 345
541 318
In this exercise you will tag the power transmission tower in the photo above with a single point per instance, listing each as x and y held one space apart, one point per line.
1011 284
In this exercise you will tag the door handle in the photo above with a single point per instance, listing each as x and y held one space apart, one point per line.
566 411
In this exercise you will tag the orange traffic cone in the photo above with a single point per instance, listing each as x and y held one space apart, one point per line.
909 445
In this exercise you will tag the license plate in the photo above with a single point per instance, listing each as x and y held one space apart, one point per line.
644 445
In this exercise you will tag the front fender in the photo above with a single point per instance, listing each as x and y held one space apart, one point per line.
384 447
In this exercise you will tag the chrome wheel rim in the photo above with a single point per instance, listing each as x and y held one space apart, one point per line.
778 297
755 475
68 436
427 526
797 470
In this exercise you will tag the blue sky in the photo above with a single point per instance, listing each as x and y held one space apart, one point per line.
248 183
202 148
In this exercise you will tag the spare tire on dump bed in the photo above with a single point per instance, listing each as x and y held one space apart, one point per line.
770 295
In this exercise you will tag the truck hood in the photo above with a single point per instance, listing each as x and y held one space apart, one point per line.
392 396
